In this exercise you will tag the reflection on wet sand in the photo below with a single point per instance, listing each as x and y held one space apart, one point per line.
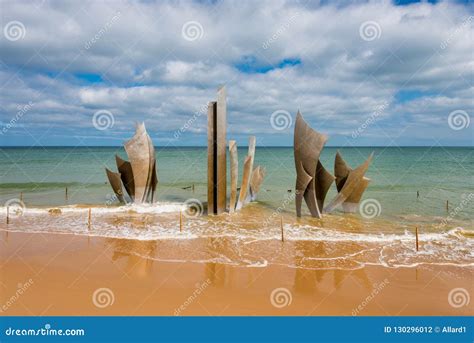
359 275
252 237
216 273
306 280
362 277
139 263
153 287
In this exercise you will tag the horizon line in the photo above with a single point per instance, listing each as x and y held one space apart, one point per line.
241 146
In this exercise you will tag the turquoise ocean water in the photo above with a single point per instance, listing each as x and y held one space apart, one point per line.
382 234
439 174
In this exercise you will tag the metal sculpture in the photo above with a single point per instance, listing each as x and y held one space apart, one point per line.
234 172
350 183
216 154
116 183
126 175
252 178
256 181
324 180
312 180
139 175
216 163
247 174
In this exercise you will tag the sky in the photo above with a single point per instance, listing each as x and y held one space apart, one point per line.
377 73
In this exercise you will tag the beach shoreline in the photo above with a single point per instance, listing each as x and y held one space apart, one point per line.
46 274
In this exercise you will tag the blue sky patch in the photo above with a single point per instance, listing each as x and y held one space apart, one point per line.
91 78
250 65
410 95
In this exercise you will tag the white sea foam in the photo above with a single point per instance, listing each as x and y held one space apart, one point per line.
255 245
156 208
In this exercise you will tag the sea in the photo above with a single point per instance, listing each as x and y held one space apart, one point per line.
424 190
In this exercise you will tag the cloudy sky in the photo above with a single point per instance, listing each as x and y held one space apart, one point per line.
366 73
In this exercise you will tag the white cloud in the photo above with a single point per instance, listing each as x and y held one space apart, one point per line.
150 72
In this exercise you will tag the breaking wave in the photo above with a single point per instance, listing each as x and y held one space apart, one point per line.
247 240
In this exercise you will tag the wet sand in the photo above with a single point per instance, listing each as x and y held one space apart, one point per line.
58 274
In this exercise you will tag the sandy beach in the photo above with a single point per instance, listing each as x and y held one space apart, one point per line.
61 274
242 171
172 258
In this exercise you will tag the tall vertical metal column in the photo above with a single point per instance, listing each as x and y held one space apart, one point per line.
217 153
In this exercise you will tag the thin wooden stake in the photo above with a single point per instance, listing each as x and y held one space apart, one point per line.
65 194
180 221
417 194
416 234
21 196
8 215
193 187
447 205
89 219
281 227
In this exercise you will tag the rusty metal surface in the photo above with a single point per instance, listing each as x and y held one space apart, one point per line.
234 173
308 144
355 183
116 183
